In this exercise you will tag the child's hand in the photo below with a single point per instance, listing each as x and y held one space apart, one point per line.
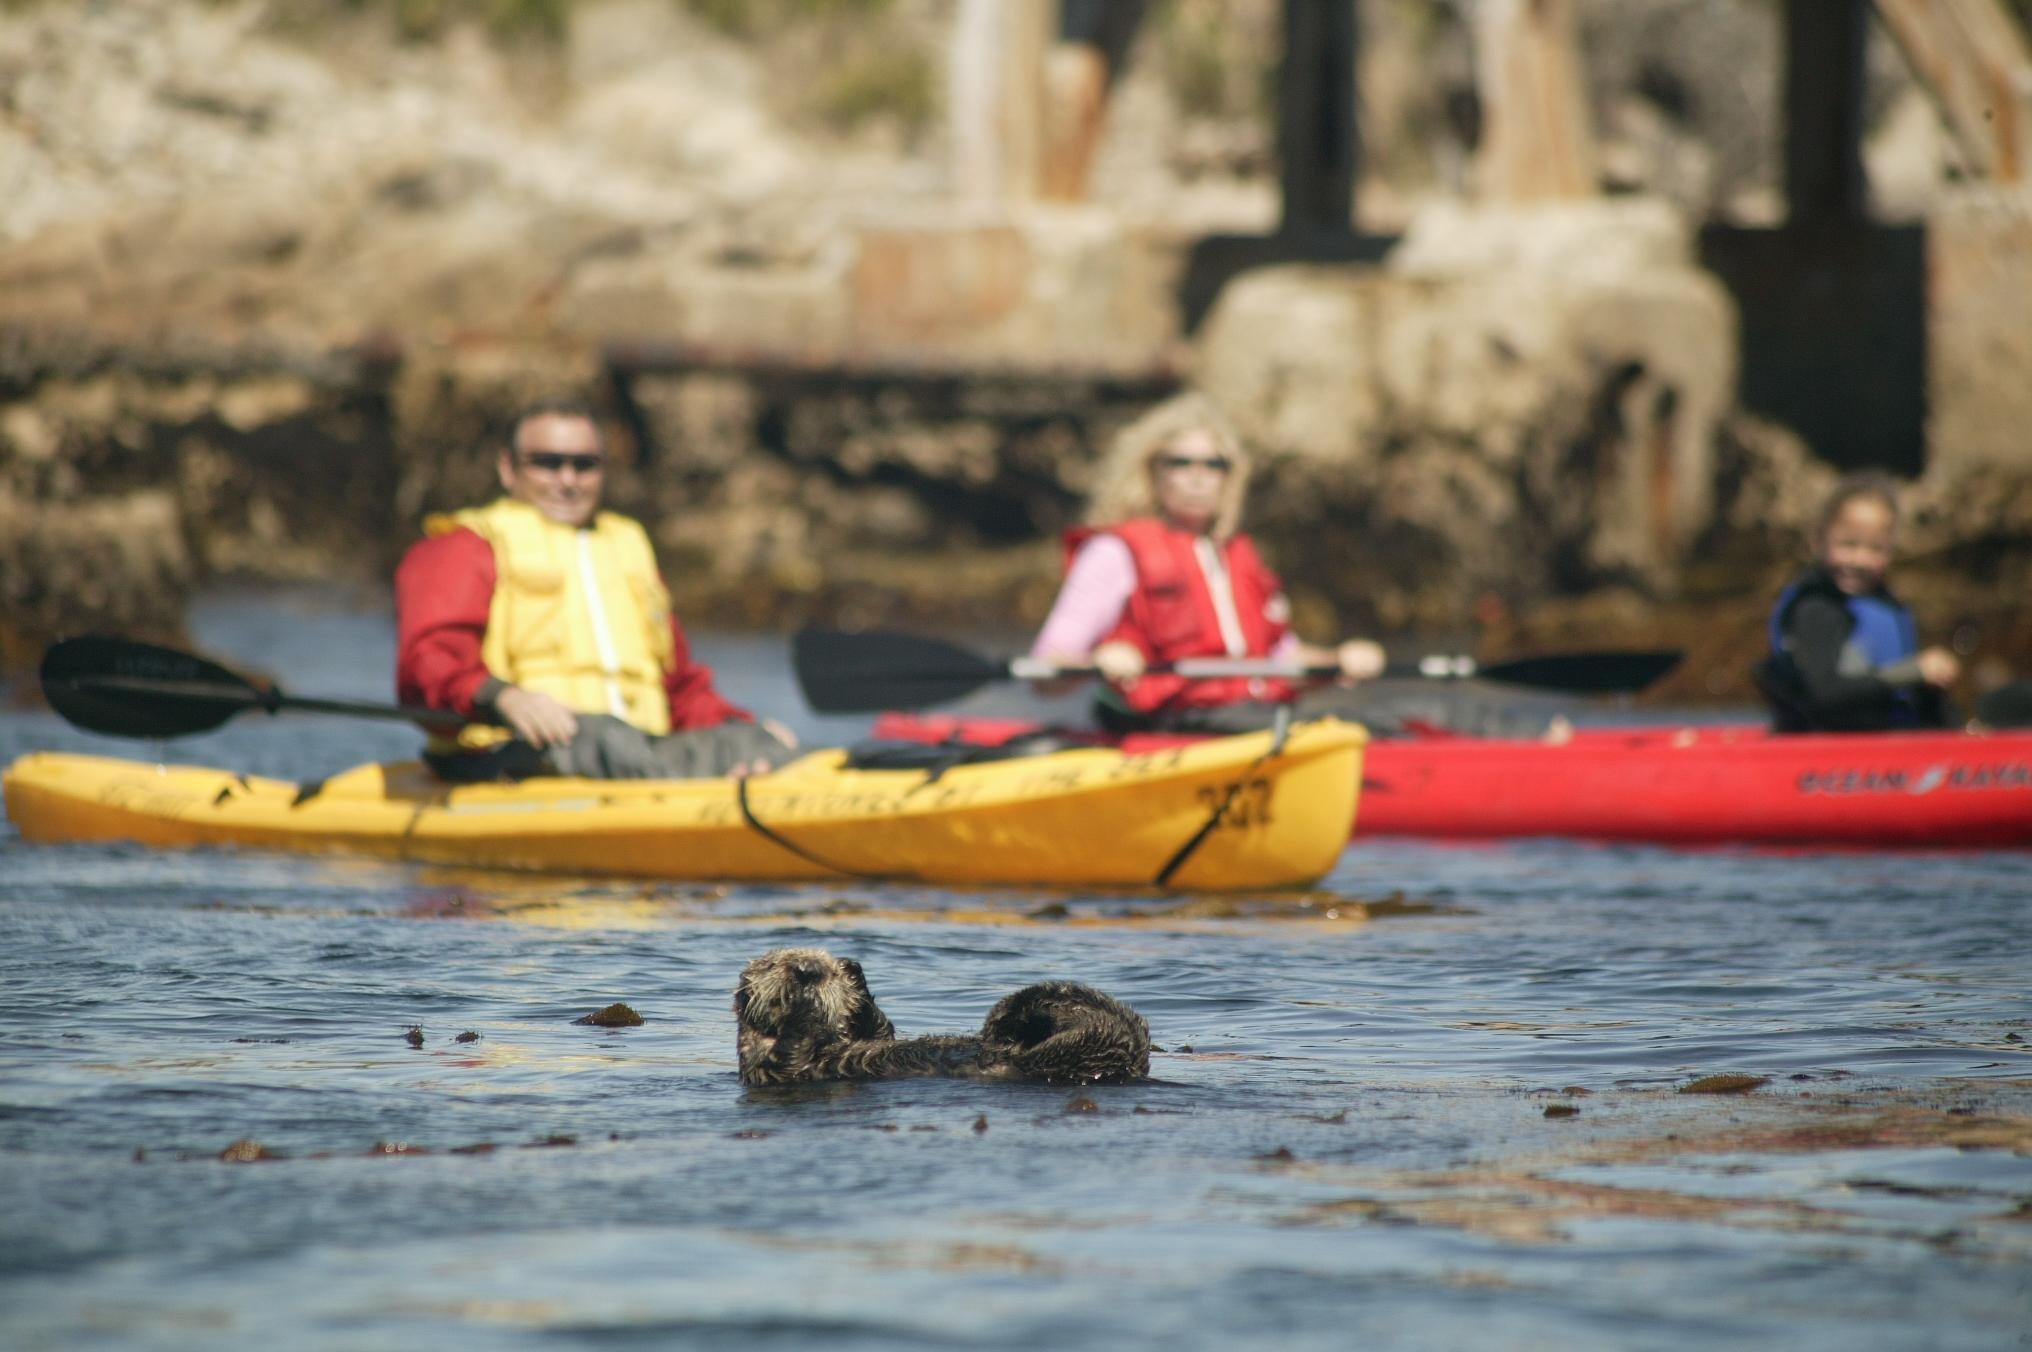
1938 666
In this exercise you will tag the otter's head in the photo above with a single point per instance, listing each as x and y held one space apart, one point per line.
794 1005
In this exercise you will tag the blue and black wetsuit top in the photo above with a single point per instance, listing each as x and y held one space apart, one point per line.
1842 663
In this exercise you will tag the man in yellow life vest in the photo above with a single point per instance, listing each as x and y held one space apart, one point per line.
546 619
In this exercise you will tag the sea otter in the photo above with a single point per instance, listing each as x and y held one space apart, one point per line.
804 1014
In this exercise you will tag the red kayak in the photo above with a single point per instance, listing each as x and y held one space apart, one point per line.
1679 786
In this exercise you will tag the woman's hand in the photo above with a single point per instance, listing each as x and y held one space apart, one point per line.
1938 666
535 717
1360 659
1119 662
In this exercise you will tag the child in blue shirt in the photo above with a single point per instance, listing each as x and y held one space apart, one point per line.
1845 654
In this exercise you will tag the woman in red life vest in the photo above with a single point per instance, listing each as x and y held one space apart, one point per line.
1169 577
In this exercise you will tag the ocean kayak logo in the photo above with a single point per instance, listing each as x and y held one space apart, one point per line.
2003 775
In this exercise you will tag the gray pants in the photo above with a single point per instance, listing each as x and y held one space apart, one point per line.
605 747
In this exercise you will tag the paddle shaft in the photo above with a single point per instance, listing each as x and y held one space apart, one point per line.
855 672
1213 668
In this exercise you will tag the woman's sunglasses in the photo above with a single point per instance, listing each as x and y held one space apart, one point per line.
1219 464
553 462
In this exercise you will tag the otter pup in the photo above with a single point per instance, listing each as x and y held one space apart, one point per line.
804 1014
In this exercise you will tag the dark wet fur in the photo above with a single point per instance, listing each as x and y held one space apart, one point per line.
805 1015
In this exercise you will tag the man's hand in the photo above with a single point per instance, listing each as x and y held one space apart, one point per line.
1119 662
760 766
535 717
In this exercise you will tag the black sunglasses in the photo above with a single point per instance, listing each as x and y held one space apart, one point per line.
1219 464
552 462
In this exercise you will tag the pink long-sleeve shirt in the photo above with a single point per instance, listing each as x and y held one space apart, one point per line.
1090 603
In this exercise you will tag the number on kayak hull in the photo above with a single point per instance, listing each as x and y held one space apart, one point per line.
1248 803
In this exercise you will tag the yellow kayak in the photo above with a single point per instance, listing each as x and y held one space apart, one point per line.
1092 816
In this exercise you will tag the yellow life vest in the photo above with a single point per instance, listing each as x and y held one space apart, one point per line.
580 614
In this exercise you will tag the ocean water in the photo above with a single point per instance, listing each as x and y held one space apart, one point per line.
1435 1102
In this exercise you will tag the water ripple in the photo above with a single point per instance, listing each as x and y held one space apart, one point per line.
1348 1140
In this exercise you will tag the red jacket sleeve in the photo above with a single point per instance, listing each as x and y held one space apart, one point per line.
443 590
694 703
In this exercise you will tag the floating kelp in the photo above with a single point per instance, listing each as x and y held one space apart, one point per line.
616 1015
1725 1084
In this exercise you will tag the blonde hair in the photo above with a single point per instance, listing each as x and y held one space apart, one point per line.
1125 489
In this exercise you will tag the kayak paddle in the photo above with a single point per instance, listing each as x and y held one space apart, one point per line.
844 673
123 688
2007 706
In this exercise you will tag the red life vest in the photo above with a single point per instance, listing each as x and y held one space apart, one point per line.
1172 614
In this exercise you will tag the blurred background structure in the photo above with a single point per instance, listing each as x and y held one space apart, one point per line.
1550 320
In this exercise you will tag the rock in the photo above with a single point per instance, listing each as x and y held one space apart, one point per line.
267 290
450 405
1056 289
713 312
1517 404
1979 270
115 563
1602 240
1907 157
664 116
1769 491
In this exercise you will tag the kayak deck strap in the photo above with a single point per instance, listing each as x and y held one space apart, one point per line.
1280 732
761 829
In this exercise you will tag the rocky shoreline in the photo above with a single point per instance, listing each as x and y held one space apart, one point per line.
262 304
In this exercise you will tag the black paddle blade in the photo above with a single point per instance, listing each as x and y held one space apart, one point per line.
2007 706
847 673
1620 672
127 689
